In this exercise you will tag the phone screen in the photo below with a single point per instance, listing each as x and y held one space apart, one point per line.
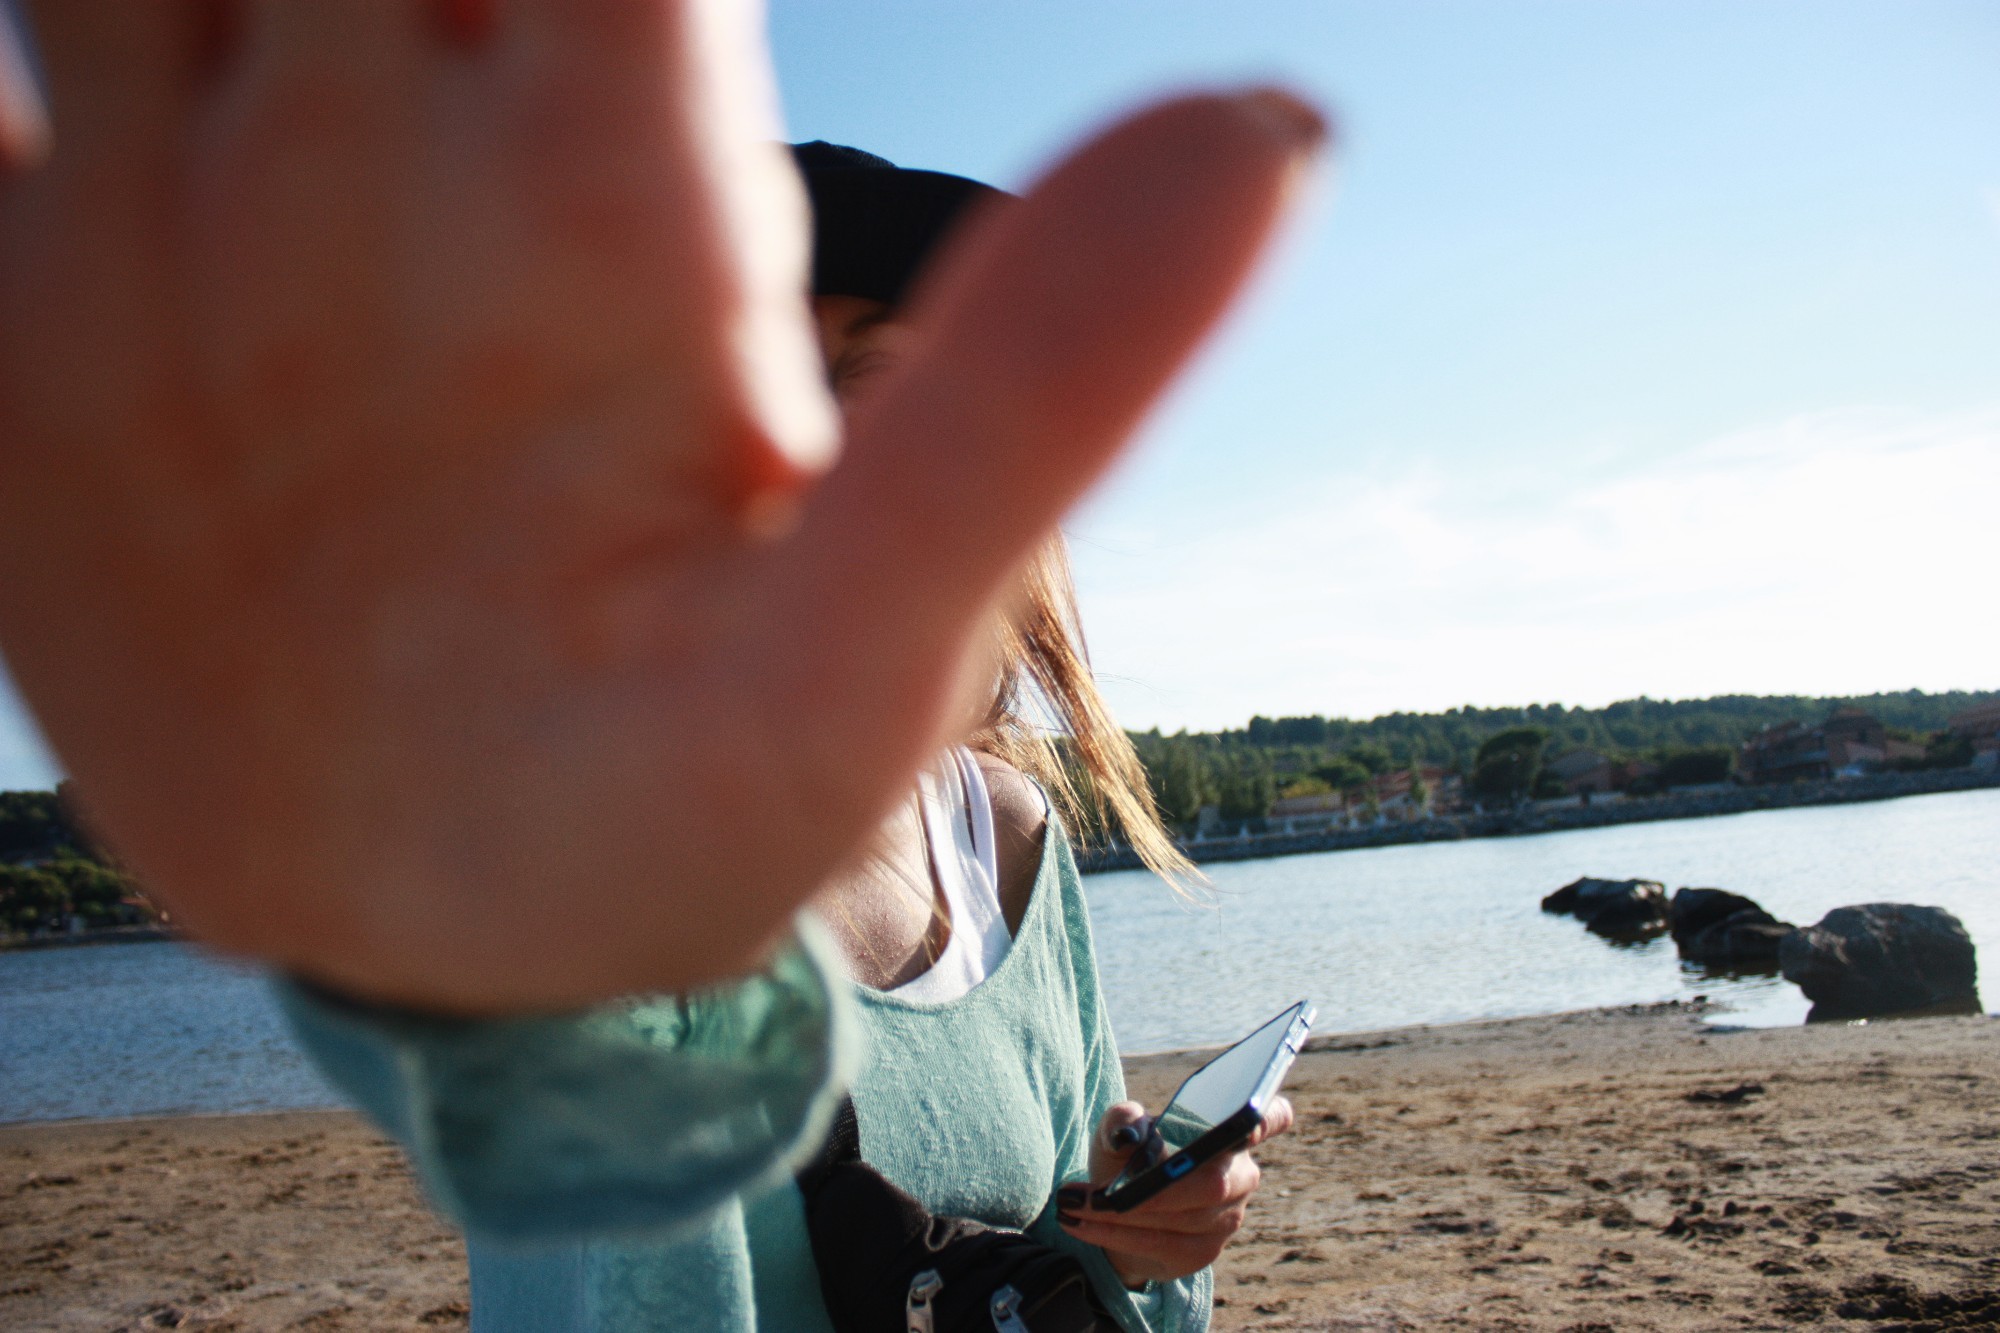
1230 1090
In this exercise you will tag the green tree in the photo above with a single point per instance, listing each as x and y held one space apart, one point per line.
1370 755
1688 768
30 823
1508 763
94 892
1341 773
1945 750
1180 781
1248 789
31 899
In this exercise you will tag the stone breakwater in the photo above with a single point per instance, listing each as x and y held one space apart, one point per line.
1555 818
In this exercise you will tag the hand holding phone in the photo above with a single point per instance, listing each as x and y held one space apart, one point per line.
1214 1111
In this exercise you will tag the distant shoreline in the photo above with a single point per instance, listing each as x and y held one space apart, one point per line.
1532 819
111 935
1441 828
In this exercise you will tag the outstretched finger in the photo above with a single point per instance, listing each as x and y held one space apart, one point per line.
77 235
1048 334
115 75
660 118
24 120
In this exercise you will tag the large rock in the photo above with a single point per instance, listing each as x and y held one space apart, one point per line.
1883 958
1717 928
1620 908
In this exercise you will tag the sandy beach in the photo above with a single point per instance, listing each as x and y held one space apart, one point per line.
1626 1169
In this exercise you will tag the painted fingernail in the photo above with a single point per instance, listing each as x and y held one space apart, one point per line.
1068 1219
1071 1199
1288 114
1127 1136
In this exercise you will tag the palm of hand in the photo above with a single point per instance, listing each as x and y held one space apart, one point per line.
394 434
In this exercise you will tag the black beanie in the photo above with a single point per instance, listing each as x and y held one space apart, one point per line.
875 223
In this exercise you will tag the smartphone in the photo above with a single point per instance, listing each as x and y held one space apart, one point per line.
1214 1111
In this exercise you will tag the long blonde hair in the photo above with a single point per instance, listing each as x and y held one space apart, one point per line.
1049 721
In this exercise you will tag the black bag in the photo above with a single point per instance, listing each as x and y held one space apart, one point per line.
886 1265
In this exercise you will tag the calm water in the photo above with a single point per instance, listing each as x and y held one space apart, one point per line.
1378 938
142 1029
1443 932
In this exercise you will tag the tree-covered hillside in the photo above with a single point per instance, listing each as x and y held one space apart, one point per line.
51 871
1240 770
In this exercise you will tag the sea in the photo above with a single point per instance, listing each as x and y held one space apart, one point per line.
1377 938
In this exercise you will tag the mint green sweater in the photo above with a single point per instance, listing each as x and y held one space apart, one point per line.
630 1168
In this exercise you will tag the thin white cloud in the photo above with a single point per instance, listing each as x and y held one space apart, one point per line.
1839 552
1845 551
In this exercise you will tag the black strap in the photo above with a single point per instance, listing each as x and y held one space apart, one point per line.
843 1144
870 1241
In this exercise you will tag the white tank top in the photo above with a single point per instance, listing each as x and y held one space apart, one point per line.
958 836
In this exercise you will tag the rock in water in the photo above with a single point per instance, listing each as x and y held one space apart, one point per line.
1621 908
1721 929
1693 911
1882 958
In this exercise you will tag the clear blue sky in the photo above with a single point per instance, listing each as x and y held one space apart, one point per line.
1637 348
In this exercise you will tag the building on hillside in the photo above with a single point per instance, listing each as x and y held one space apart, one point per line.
1855 742
1783 752
1304 812
1848 744
1387 796
1393 791
1583 770
1852 759
1586 770
1894 750
1981 726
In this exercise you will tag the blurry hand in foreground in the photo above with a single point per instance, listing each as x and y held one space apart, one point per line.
420 534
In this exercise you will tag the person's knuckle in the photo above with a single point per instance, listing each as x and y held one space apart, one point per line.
1214 1190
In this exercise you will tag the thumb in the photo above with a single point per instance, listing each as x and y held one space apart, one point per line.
1046 335
1119 1135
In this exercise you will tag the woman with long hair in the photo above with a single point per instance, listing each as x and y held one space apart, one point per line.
631 1167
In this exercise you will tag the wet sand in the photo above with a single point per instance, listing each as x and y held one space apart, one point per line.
1602 1171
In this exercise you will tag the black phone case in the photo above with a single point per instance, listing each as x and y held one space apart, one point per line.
1230 1134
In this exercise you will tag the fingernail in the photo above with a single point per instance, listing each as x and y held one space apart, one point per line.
24 116
1287 114
1071 1199
1068 1219
1127 1136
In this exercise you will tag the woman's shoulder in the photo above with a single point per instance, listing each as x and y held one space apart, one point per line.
1020 823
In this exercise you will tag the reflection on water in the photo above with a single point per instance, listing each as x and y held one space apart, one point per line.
1380 938
1443 932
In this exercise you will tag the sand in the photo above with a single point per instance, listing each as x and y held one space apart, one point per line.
1612 1170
